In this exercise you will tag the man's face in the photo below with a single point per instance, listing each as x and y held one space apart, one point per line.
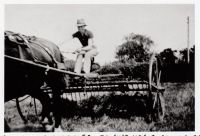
81 29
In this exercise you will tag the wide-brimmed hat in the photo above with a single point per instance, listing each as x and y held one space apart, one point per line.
81 22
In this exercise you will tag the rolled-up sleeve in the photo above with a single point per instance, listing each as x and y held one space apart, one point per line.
74 35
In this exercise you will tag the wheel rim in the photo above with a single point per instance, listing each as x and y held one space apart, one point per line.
29 109
154 79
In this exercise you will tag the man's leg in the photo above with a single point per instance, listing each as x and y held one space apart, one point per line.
87 62
78 64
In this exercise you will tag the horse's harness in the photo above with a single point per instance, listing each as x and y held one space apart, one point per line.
24 42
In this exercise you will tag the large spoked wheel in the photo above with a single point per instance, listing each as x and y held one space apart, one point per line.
29 108
156 90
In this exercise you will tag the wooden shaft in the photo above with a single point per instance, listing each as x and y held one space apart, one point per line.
43 66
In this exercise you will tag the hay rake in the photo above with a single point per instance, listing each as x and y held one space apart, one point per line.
105 85
86 86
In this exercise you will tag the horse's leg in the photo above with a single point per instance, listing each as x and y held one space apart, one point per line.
57 106
57 83
46 105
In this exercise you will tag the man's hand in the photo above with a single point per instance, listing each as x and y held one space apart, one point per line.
82 52
79 51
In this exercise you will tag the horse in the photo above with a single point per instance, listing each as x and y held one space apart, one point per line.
24 79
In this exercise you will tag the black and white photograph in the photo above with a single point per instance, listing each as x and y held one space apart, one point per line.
99 68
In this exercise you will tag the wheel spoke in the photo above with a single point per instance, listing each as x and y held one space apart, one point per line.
35 107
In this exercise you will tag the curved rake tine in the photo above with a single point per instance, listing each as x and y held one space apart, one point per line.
87 95
79 96
72 97
75 96
92 93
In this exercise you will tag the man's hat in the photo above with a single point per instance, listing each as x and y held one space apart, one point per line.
81 22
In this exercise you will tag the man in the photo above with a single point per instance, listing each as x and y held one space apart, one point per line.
88 49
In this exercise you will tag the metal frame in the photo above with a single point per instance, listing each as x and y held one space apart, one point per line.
112 83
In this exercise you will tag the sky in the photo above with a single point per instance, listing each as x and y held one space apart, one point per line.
165 24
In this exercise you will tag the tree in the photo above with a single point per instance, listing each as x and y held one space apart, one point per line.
184 54
167 56
192 55
135 47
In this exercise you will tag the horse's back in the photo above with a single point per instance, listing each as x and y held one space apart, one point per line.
36 45
49 47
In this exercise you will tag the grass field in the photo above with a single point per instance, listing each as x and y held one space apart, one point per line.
121 115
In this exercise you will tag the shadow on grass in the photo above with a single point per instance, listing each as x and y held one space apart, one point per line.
115 106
